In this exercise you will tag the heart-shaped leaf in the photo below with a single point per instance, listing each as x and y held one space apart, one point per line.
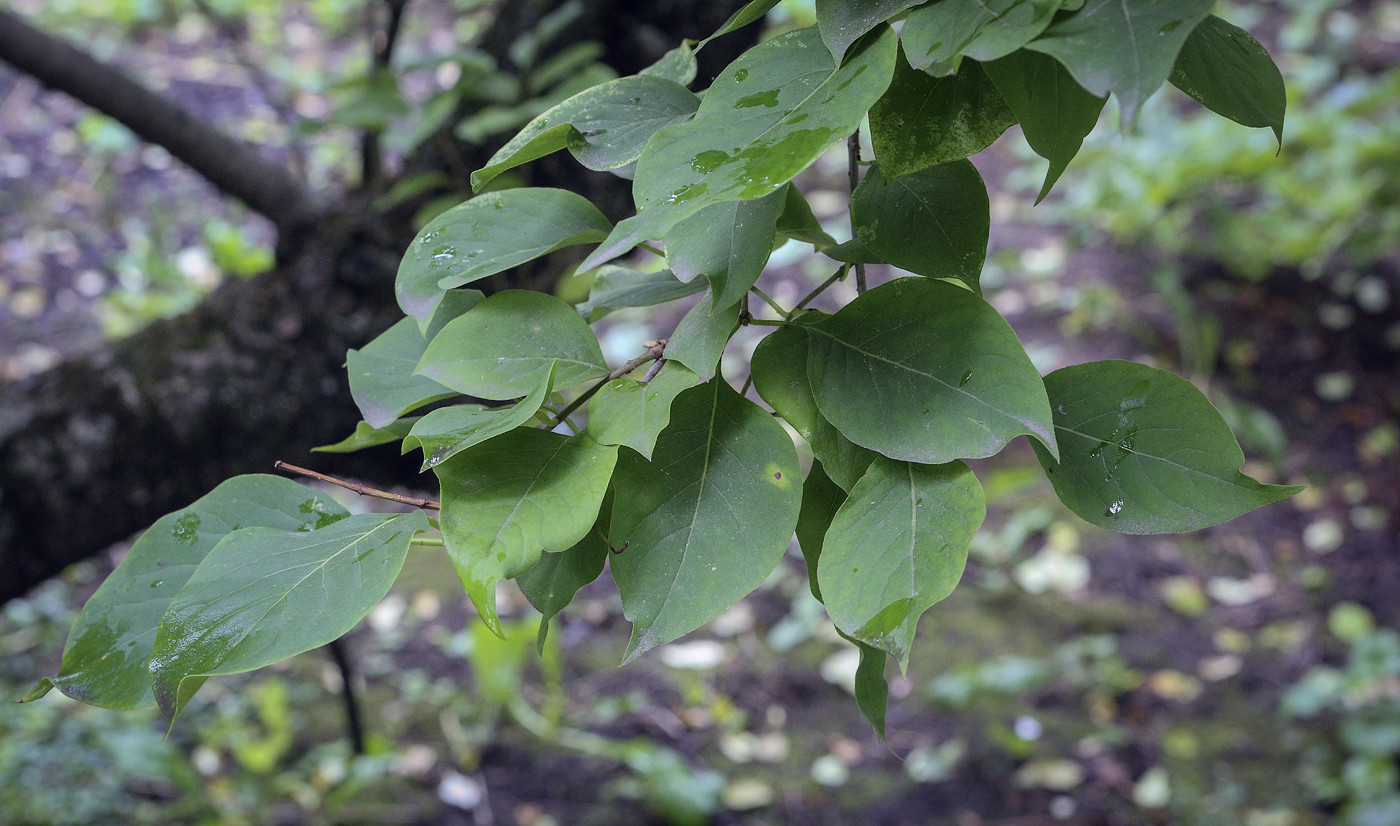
933 222
707 519
507 501
896 546
1227 70
1143 451
925 371
264 594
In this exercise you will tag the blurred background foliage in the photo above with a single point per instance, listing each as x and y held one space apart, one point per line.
1225 677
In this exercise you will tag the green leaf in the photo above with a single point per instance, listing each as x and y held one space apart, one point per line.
367 436
852 252
264 594
490 234
897 546
780 376
605 127
504 346
753 10
842 22
700 337
382 380
105 660
933 222
923 120
1143 451
707 519
872 692
768 116
728 243
821 498
507 501
1126 47
1055 112
550 585
678 65
444 433
628 412
798 223
936 36
1227 70
925 371
616 287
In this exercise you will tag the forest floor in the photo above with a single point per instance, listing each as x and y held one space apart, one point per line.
1077 676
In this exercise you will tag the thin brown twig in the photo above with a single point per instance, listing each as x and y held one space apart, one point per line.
363 490
655 350
853 172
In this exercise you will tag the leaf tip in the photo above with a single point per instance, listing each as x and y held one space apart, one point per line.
44 686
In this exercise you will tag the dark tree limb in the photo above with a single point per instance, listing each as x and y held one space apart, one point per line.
234 167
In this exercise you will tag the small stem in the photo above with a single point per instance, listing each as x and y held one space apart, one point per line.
427 541
363 490
354 729
770 302
653 250
837 276
748 382
763 322
654 351
852 168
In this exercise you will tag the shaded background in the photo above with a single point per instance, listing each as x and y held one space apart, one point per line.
1245 674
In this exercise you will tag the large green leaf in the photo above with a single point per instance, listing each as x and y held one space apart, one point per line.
923 120
897 546
1143 451
368 436
768 116
489 234
605 127
821 498
628 412
1227 70
1055 112
444 433
700 337
616 287
1126 47
798 223
382 380
842 22
504 346
728 243
707 519
753 10
925 371
105 660
937 35
780 376
506 501
550 585
264 594
933 222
